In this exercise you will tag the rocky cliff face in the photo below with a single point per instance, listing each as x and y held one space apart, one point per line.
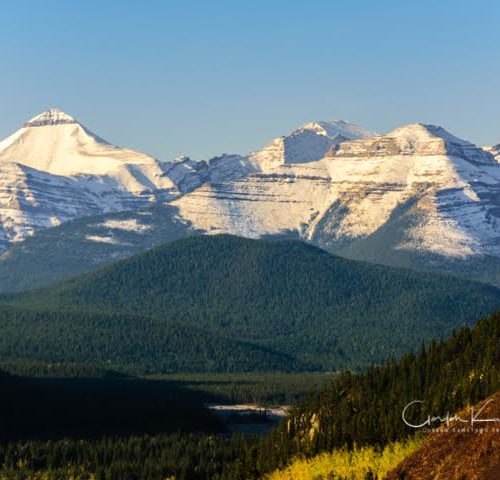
443 191
287 188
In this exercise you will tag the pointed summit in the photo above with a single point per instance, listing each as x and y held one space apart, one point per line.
53 116
53 169
55 142
308 143
337 128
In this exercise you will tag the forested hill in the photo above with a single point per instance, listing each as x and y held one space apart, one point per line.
227 303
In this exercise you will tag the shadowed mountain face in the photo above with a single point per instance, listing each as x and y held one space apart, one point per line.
455 455
84 244
222 303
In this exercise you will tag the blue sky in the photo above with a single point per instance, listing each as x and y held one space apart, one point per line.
206 77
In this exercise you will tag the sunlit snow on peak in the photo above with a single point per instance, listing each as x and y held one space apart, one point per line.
335 128
53 116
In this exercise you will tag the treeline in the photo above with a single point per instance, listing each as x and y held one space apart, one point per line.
227 304
261 388
29 368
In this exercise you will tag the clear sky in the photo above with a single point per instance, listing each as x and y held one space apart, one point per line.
207 77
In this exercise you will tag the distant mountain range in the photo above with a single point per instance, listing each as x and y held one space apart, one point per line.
417 197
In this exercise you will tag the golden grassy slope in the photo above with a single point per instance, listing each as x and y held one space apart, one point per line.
349 464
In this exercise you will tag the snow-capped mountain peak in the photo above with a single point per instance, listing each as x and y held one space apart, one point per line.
335 128
53 116
54 142
421 132
306 144
54 169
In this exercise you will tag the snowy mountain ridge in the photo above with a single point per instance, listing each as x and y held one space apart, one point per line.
416 191
446 190
337 128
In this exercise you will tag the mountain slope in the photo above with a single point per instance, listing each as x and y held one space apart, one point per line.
449 189
290 301
54 169
83 244
31 200
287 189
453 455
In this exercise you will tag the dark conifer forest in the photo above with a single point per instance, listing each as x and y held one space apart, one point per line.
227 304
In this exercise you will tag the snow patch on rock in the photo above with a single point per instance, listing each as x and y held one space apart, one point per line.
130 225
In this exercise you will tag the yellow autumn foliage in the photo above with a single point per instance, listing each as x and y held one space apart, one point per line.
70 473
346 464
